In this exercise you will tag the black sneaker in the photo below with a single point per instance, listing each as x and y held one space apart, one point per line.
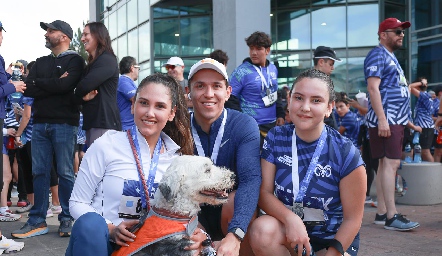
65 228
380 219
400 223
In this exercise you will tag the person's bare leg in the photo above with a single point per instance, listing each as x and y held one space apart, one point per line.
382 209
437 155
426 155
388 176
55 199
7 178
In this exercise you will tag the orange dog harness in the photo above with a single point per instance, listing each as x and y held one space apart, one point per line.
156 228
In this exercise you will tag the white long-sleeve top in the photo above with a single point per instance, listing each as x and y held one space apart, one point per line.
108 183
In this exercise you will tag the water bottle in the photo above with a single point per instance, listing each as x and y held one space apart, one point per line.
417 153
408 158
439 136
416 138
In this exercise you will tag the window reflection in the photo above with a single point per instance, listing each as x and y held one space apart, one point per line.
132 42
122 47
144 42
328 27
166 42
143 10
363 23
122 22
196 36
290 36
112 25
132 20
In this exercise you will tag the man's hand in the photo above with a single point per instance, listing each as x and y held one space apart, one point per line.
65 74
11 132
383 129
20 86
229 246
90 95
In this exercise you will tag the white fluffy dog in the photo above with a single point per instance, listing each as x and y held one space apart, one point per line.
188 182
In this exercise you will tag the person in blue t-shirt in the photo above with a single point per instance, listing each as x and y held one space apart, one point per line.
231 139
349 122
423 114
129 71
387 116
255 84
313 179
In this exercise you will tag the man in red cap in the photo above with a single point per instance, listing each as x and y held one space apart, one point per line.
388 112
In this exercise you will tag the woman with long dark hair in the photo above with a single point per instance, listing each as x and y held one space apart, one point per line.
98 87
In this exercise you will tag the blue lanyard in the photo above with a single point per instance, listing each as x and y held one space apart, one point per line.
311 168
152 167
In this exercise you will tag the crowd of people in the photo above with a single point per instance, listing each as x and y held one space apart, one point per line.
304 156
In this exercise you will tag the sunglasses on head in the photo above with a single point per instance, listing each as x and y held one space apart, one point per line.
398 32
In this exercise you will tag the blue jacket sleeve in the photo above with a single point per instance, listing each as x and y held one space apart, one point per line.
248 174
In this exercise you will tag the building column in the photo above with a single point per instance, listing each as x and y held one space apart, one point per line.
235 20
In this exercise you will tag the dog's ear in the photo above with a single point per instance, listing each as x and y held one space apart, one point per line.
166 191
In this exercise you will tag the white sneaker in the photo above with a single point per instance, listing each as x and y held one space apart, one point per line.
9 216
56 209
49 213
9 245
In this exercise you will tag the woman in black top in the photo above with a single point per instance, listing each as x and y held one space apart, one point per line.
98 87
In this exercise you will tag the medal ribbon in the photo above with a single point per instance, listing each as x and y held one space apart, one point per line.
219 137
299 189
147 186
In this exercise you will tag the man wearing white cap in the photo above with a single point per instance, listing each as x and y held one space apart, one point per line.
231 139
175 69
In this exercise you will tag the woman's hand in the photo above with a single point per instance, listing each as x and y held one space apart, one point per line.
296 234
11 132
90 95
120 234
197 238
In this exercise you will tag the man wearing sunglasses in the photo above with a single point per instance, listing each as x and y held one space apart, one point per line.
175 68
388 113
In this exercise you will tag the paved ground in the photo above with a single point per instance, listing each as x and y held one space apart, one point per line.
375 240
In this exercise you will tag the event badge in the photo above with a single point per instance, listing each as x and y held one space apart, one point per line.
270 98
313 217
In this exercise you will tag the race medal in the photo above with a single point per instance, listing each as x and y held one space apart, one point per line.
298 209
268 92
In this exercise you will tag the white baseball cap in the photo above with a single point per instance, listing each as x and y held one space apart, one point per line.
209 64
174 61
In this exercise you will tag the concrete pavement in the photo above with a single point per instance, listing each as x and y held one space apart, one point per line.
375 240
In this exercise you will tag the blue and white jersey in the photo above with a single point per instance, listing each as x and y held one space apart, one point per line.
436 103
338 158
424 111
248 87
394 90
10 120
81 134
28 130
351 122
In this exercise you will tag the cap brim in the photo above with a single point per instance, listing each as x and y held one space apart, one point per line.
405 24
3 29
45 26
328 57
207 66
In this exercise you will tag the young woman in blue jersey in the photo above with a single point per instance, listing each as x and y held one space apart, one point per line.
349 122
423 116
313 180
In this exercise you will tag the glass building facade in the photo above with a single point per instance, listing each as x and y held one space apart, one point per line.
153 30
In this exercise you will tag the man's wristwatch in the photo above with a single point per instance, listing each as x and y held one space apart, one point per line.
239 233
